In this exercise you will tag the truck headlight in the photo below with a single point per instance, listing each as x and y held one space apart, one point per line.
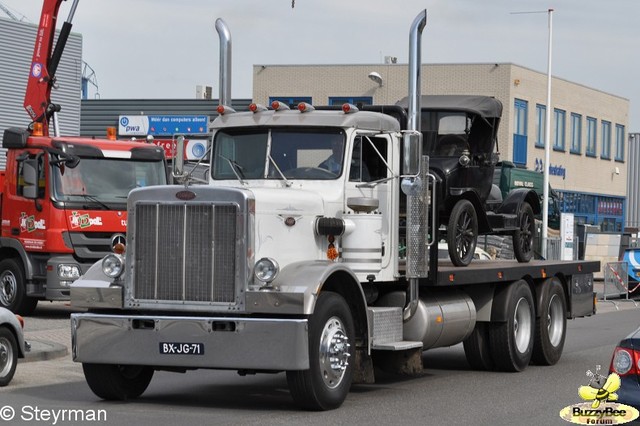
68 272
266 269
113 265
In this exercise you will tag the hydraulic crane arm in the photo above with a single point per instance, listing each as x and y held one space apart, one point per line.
37 99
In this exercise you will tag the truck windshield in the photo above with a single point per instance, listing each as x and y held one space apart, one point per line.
273 153
105 180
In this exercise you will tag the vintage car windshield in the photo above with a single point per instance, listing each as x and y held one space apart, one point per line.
446 133
276 153
105 180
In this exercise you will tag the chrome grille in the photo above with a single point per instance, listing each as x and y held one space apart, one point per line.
185 252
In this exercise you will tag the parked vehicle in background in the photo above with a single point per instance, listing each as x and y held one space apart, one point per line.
63 198
626 364
12 344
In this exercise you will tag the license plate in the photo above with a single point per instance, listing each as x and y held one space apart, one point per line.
171 348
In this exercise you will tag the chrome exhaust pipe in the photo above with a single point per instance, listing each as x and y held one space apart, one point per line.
413 125
225 62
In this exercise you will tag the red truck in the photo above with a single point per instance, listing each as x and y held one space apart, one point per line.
63 200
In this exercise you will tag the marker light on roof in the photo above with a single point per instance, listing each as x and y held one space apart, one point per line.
223 109
257 108
279 106
349 108
305 107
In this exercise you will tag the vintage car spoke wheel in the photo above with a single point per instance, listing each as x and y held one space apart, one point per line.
13 288
551 326
325 385
462 233
511 341
8 356
523 236
117 382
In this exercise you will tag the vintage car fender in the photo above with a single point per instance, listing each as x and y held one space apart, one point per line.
8 319
511 204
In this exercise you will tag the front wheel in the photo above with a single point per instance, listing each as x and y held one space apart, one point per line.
8 356
551 327
523 236
117 382
13 289
511 342
325 385
462 233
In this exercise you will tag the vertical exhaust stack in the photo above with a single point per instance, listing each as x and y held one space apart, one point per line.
225 62
415 187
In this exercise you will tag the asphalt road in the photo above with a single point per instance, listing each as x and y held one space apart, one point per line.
448 392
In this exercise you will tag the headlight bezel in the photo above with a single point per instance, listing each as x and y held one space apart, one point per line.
113 265
266 270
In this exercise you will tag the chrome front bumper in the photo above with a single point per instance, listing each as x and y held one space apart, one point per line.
228 342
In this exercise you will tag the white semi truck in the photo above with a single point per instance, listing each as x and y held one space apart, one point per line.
283 262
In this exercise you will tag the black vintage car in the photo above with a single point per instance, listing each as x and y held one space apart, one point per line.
460 138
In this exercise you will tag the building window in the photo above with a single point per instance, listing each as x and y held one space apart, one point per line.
355 100
619 142
292 101
520 132
541 119
606 140
559 115
576 133
591 136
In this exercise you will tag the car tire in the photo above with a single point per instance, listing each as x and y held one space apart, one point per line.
117 382
462 233
523 237
13 289
551 325
511 341
325 385
8 356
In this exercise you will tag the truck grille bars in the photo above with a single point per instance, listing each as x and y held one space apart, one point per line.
185 253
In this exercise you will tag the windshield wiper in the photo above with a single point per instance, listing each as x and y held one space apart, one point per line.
235 168
92 198
287 182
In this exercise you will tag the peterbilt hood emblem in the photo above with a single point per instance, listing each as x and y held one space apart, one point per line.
185 195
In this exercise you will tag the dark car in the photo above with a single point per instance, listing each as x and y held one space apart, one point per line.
460 137
626 364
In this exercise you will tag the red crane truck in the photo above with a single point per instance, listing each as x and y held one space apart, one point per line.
63 201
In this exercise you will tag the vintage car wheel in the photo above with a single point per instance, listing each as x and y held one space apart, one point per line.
8 356
325 385
13 290
523 236
511 341
551 326
117 382
462 233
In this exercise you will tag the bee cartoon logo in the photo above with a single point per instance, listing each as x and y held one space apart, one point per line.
600 388
600 406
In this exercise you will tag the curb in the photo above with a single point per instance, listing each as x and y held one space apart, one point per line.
42 350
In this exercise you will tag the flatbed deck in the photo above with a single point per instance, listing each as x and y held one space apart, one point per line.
488 271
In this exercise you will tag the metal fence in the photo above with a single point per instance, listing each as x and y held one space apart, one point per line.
616 280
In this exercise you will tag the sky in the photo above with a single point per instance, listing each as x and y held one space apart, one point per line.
142 49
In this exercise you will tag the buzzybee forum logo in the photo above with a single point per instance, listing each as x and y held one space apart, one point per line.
600 407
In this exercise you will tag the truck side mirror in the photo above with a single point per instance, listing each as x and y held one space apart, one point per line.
30 176
412 151
178 158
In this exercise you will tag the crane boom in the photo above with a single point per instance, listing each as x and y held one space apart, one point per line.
37 100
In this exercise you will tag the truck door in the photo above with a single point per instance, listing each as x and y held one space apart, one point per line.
370 161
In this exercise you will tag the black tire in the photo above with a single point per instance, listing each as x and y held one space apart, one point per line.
511 342
477 349
325 385
13 289
117 382
523 237
462 233
551 325
8 356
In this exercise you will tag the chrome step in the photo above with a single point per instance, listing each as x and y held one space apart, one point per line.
386 329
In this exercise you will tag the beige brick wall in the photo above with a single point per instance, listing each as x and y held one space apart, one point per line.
583 174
